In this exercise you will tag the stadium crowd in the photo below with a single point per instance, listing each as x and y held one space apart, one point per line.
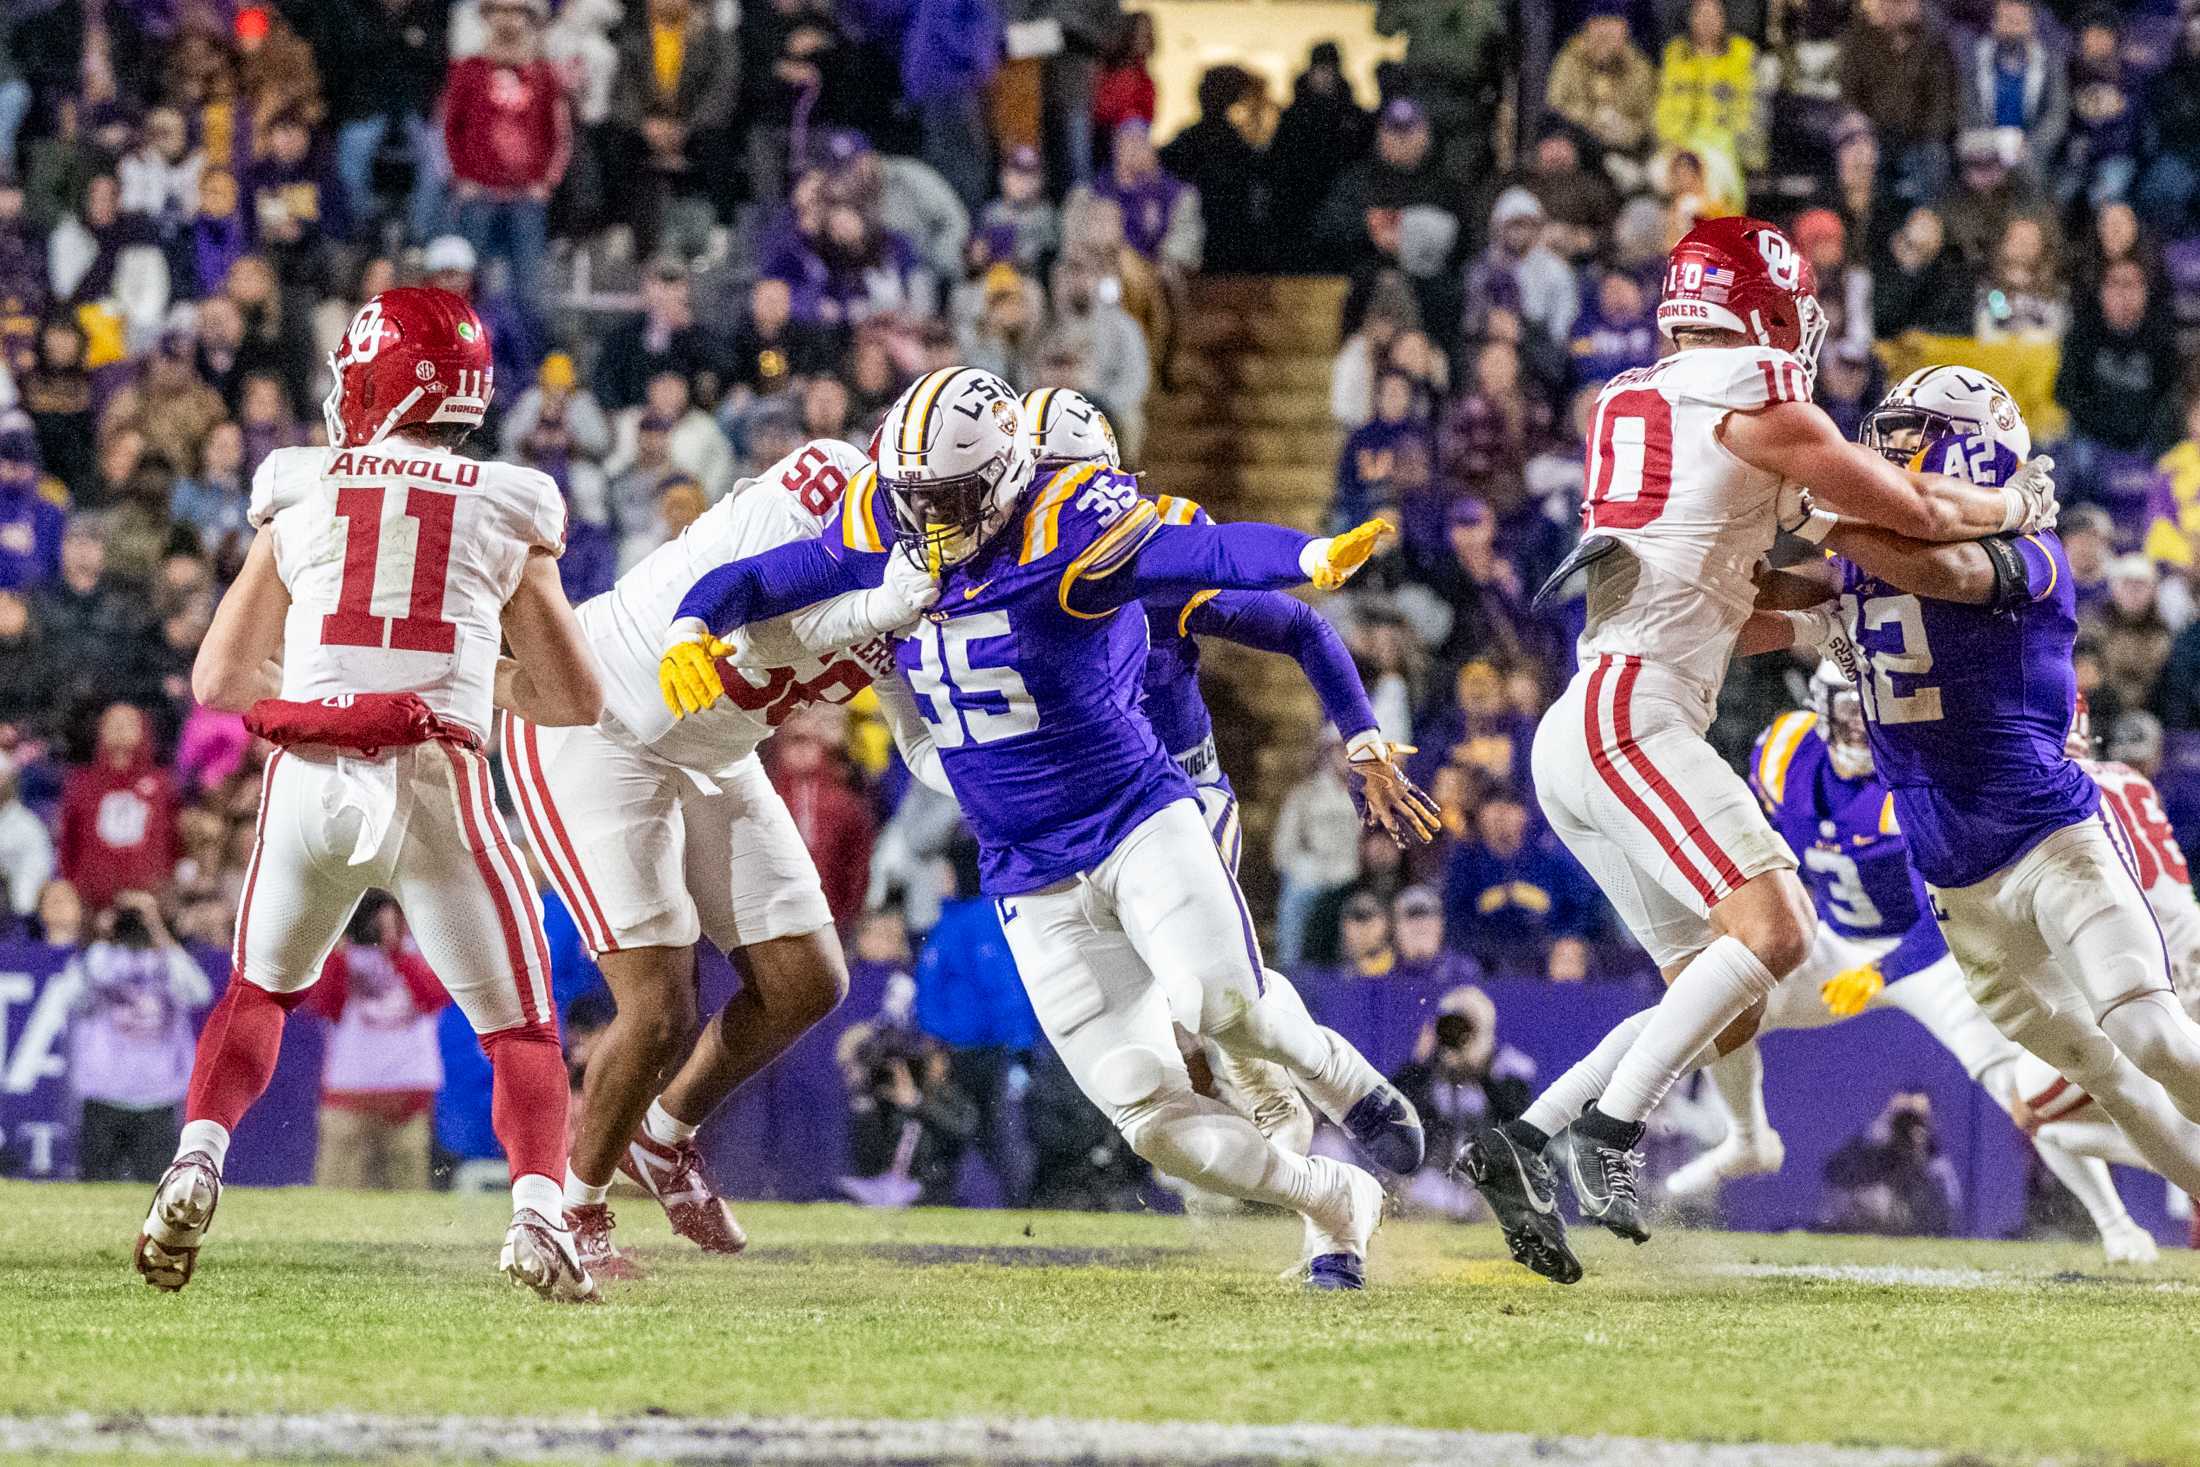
701 233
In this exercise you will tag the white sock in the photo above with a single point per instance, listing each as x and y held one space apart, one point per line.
1562 1103
577 1192
538 1194
1739 1079
1203 1141
1709 994
211 1137
2088 1181
2164 1042
665 1128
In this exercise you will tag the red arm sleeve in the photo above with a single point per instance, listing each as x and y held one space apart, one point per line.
458 101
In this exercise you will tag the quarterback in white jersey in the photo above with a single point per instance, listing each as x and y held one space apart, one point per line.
385 574
658 832
1690 465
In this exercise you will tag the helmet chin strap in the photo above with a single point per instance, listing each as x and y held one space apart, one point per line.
404 406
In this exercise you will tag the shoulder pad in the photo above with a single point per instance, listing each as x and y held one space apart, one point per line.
1776 755
864 522
536 503
281 481
1073 507
1175 511
1740 378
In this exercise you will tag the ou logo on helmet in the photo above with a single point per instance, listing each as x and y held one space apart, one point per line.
1781 262
363 342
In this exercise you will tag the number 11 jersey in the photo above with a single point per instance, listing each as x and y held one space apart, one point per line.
1694 518
399 559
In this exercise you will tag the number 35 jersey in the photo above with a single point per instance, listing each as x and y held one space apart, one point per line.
399 560
626 625
1693 518
1033 704
1967 709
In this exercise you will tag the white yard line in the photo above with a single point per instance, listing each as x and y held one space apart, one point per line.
1919 1277
339 1436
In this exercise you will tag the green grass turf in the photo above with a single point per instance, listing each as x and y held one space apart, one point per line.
311 1301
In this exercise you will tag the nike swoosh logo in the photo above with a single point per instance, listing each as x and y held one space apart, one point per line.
970 593
1544 1205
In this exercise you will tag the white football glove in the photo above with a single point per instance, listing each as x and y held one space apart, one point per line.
2029 497
908 591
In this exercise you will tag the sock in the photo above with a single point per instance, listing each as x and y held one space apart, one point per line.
581 1194
1605 1131
1576 1090
1738 1079
211 1137
665 1128
527 1100
237 1052
2164 1042
1533 1138
537 1193
1707 995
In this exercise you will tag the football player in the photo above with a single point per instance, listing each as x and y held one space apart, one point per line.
1117 906
362 636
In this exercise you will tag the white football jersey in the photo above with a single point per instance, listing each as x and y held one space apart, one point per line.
2131 800
399 560
626 625
1694 518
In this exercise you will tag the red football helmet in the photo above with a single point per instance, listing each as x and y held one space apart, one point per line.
413 355
1744 275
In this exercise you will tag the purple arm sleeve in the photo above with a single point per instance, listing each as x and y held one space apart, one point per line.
783 579
1182 559
2040 569
1274 622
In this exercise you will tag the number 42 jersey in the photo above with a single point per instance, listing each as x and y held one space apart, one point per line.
399 560
1693 518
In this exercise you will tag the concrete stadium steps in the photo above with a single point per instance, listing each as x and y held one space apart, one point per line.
1245 430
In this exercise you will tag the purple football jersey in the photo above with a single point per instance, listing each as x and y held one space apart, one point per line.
1843 831
1967 708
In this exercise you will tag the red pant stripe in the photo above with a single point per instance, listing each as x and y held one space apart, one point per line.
252 867
532 796
1730 875
1601 757
484 844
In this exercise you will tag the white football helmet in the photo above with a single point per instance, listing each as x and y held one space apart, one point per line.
1840 721
1938 402
1066 426
954 456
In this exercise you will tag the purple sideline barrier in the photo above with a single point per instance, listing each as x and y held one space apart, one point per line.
785 1136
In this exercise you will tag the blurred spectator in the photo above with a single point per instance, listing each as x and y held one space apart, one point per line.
1116 369
382 1067
1386 460
2021 298
1850 384
1898 69
1376 345
398 94
1922 283
1616 331
771 350
1361 226
1317 137
26 850
667 338
2015 79
948 57
1512 900
1581 203
1844 288
1125 91
1707 91
1315 848
1520 274
1460 1080
908 1123
160 177
2100 150
1601 83
298 206
118 814
2169 180
677 85
508 128
1892 1179
1417 940
2133 638
1223 157
1161 218
836 822
209 503
694 443
1004 335
87 620
2120 374
167 404
132 994
1360 937
30 522
971 1000
2088 534
1483 589
910 198
1020 227
99 258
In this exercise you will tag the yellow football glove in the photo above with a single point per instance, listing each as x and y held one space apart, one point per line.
687 673
1846 994
1341 555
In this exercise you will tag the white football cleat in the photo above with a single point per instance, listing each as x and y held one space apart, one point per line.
2127 1242
167 1250
542 1256
1737 1156
1337 1233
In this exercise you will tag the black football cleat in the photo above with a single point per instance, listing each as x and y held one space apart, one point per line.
1604 1178
1517 1185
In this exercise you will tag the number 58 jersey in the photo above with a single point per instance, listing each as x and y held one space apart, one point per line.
1693 519
399 560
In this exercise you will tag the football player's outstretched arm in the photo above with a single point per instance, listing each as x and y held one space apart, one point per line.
1142 557
847 620
1963 572
237 663
779 580
1798 442
1270 621
550 678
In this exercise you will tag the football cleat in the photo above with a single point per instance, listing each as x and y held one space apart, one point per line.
542 1256
591 1227
1757 1155
2127 1242
1604 1178
674 1176
1384 1124
1337 1235
167 1250
1517 1185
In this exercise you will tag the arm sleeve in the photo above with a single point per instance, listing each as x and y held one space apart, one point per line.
814 631
783 579
1274 622
1922 945
1182 559
912 736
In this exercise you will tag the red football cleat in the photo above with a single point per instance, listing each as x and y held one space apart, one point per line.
591 1228
674 1176
167 1250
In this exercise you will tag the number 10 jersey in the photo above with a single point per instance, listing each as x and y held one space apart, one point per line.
399 560
1693 518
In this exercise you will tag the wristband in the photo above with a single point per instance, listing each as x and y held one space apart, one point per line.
1815 527
2012 509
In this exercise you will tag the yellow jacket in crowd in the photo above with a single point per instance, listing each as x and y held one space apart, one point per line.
1708 102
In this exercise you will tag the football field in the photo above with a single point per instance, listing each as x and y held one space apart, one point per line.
327 1326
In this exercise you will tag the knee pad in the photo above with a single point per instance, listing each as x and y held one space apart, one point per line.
1130 1076
1177 1133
